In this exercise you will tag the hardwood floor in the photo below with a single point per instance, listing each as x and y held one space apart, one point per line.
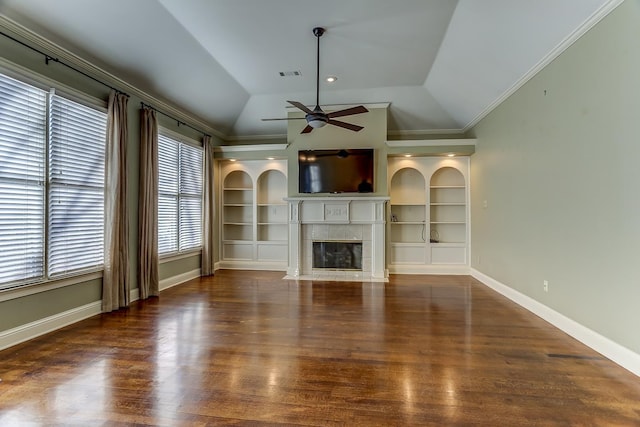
249 348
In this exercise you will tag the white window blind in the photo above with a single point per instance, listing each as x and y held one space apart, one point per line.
22 165
179 196
77 136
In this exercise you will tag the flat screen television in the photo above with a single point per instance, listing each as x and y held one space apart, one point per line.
336 171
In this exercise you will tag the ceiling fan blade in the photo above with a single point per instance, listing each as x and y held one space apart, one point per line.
307 129
290 118
348 112
300 106
349 126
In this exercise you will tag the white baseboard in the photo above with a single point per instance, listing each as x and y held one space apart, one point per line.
603 345
134 294
252 265
32 330
429 269
172 281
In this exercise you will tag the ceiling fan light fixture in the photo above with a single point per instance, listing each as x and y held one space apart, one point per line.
316 123
331 79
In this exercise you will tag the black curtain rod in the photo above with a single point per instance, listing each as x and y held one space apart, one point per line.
178 121
48 58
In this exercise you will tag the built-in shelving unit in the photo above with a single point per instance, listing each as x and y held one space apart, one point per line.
237 205
272 209
428 222
254 214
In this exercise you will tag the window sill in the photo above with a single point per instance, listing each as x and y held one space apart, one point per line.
174 257
44 286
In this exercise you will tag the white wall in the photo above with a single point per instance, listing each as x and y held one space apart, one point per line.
558 164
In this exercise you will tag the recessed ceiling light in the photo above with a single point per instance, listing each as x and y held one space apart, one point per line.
331 79
232 160
451 155
271 158
408 155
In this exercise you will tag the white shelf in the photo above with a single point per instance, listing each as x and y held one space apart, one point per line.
447 222
407 222
449 204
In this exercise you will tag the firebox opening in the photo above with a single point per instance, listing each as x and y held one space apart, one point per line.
337 255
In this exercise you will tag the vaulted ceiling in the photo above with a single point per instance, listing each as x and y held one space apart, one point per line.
441 64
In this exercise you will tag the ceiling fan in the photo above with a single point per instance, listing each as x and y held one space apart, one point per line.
317 118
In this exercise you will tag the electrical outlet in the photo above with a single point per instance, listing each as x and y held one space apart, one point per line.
545 285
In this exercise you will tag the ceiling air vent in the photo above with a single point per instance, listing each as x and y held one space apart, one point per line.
290 73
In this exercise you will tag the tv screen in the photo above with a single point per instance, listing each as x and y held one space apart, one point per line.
336 171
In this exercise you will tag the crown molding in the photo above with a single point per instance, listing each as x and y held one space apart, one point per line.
245 138
57 51
425 132
252 148
431 142
341 106
596 17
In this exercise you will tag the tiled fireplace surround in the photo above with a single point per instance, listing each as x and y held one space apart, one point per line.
339 218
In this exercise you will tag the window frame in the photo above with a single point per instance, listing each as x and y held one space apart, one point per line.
190 252
46 282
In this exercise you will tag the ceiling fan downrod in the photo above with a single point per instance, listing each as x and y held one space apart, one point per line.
318 32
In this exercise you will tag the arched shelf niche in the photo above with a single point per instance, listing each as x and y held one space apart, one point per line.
408 206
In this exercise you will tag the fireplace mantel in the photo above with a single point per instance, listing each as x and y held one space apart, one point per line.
341 216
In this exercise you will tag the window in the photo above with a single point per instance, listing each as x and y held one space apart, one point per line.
179 196
76 186
51 185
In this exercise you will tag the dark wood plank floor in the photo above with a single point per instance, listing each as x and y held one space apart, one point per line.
249 348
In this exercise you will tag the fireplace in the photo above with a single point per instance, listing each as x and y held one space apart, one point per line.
337 255
337 238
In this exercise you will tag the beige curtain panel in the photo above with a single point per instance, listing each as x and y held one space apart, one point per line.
148 205
115 282
208 211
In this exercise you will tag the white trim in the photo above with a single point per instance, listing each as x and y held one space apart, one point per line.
172 281
40 327
178 256
47 84
236 138
36 288
252 147
596 17
331 107
425 132
455 270
431 142
31 37
134 294
252 265
603 345
180 137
